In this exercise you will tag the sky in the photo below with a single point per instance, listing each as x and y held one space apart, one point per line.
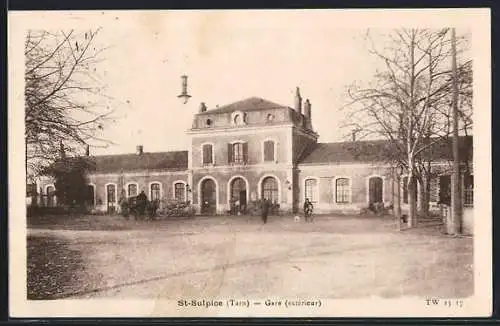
227 58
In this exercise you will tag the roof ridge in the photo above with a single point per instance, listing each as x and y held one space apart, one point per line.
130 153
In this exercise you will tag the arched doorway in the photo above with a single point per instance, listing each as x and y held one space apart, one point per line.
90 201
208 197
375 190
238 193
51 195
111 197
270 189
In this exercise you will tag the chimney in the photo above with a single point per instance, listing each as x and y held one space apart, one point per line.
298 101
307 109
139 150
203 107
87 150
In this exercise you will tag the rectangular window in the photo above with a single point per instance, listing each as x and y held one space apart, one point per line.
238 153
207 154
311 187
342 190
469 190
179 191
269 151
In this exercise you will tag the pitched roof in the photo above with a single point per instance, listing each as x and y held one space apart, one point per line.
376 151
175 160
249 104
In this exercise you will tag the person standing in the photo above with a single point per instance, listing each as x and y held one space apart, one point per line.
265 210
308 209
142 201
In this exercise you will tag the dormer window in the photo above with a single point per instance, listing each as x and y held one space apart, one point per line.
238 118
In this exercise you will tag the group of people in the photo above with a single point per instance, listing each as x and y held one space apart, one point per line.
137 205
308 210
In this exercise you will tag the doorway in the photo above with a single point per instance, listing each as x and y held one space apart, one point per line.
375 186
208 197
238 197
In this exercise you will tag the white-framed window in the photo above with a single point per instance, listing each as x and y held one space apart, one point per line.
269 150
270 189
155 191
132 189
90 198
207 154
179 190
342 190
111 193
311 189
50 191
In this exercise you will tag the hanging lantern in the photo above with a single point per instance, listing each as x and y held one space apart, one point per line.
184 96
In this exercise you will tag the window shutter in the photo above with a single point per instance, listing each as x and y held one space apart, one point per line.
269 150
245 152
207 154
204 160
210 154
229 153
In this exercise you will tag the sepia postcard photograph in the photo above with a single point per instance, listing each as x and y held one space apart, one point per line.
250 163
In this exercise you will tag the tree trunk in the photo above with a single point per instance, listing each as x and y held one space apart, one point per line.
412 202
398 202
424 190
427 194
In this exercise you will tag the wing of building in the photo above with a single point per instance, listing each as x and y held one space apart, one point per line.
256 149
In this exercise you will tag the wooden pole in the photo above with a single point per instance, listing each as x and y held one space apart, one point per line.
455 226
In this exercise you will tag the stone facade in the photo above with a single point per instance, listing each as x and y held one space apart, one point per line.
249 150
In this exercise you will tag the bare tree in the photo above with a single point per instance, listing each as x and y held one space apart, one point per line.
407 102
64 101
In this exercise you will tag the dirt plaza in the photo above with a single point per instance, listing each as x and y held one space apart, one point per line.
333 257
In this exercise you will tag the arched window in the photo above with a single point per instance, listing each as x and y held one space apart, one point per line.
132 190
155 191
342 190
270 189
269 151
179 191
311 190
207 155
375 190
